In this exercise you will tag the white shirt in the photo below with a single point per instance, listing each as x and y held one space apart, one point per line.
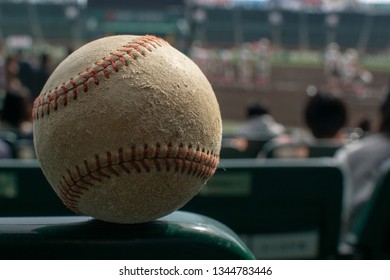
361 163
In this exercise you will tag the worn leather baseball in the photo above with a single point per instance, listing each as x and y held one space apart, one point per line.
127 129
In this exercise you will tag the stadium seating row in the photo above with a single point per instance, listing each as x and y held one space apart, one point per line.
266 148
282 208
295 28
221 25
24 148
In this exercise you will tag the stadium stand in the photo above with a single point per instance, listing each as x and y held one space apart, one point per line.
221 26
55 17
180 235
40 21
349 29
13 19
290 29
316 33
282 209
32 217
255 25
377 40
297 29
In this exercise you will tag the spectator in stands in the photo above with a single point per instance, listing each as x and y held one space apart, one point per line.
325 115
25 72
361 162
260 124
260 127
15 114
365 125
41 74
2 69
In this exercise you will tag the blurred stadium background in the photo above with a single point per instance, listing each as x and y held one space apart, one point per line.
298 31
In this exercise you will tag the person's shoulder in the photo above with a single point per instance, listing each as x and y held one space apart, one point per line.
366 146
349 149
375 140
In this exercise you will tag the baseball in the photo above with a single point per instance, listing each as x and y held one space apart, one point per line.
127 129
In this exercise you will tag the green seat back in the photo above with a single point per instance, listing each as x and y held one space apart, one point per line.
294 150
371 234
285 208
24 191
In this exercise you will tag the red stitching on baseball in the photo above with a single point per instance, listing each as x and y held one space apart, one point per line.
156 156
48 105
56 96
122 160
89 172
120 58
110 164
135 46
81 178
65 100
99 168
64 88
71 186
74 85
107 65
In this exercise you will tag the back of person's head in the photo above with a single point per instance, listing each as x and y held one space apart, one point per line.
385 115
44 59
255 110
325 115
15 109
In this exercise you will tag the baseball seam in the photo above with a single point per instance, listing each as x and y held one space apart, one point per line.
196 162
52 99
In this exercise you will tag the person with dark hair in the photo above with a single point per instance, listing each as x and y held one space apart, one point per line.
325 115
260 124
25 71
15 112
361 163
42 74
2 69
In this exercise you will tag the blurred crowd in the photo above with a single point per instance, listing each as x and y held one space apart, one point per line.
21 81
